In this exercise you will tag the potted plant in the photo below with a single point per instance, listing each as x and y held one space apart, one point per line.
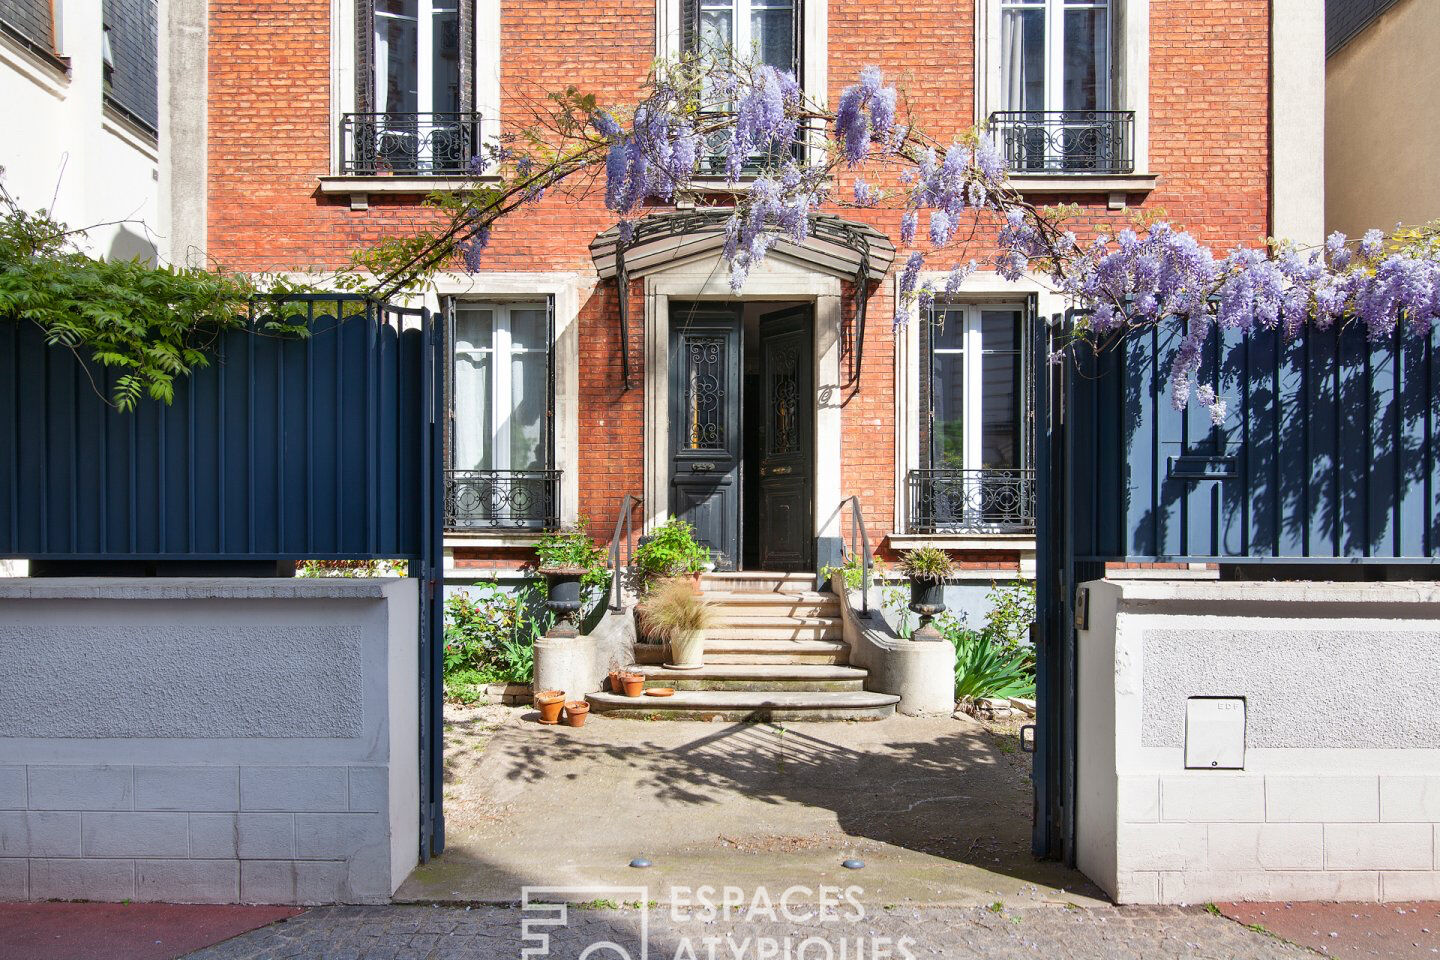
681 616
667 552
575 712
633 684
569 560
927 568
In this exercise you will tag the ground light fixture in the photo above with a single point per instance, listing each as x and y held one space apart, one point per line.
640 863
853 864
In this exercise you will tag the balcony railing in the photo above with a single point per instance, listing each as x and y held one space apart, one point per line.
971 501
511 499
1066 141
417 144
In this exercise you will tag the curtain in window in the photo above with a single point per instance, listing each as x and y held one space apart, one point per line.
474 357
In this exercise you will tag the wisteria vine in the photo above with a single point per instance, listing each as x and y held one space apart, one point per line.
744 118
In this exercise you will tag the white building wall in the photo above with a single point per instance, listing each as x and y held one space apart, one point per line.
208 740
71 155
1339 794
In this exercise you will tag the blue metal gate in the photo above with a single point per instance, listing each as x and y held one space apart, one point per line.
283 449
1326 460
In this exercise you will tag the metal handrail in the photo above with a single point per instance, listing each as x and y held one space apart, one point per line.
857 533
623 530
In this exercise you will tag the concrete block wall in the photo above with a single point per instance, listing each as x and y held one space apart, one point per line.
1339 798
298 782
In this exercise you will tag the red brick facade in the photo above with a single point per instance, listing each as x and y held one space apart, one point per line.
270 139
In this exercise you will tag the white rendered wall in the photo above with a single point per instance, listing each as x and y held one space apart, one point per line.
69 154
208 740
1339 798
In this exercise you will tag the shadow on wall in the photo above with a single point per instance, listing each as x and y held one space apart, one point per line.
129 245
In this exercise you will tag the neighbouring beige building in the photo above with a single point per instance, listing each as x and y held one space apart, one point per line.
1382 93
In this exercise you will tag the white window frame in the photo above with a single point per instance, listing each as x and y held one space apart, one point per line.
485 72
502 394
814 55
1055 11
741 12
1129 69
972 366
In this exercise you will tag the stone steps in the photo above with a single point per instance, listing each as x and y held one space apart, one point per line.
817 677
741 608
743 705
750 581
776 653
775 628
749 650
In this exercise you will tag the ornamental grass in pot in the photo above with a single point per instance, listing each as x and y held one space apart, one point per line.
681 616
927 568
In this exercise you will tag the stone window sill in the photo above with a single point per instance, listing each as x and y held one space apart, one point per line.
493 538
359 188
1020 542
1117 188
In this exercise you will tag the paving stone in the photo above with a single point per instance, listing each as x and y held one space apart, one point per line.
967 933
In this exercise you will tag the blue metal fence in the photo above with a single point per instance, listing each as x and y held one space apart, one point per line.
1326 454
282 448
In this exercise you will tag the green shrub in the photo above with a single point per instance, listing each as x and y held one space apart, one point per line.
490 637
670 550
983 666
352 568
1012 611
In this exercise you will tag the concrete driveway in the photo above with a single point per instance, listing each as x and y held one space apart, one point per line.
938 809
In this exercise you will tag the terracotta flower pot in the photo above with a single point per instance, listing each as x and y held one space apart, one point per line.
615 685
550 703
575 712
634 684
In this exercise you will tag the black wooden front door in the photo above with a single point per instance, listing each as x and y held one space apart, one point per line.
705 437
786 528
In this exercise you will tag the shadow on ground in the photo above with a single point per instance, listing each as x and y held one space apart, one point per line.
939 810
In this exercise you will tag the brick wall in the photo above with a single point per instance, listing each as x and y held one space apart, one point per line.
269 111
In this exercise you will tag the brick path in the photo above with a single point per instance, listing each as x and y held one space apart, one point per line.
481 933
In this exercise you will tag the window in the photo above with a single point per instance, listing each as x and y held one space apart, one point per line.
500 438
1055 93
129 60
414 103
975 460
32 22
768 29
417 56
1055 54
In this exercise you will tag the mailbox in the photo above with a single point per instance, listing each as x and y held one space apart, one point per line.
1215 733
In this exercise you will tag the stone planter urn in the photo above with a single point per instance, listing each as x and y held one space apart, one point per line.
927 599
562 598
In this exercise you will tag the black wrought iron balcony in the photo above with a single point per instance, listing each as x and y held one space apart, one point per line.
711 163
416 144
1066 141
971 501
491 499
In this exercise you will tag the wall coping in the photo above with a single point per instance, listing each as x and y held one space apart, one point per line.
196 588
1371 594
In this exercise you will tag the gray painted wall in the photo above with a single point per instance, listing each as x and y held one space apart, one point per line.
204 740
